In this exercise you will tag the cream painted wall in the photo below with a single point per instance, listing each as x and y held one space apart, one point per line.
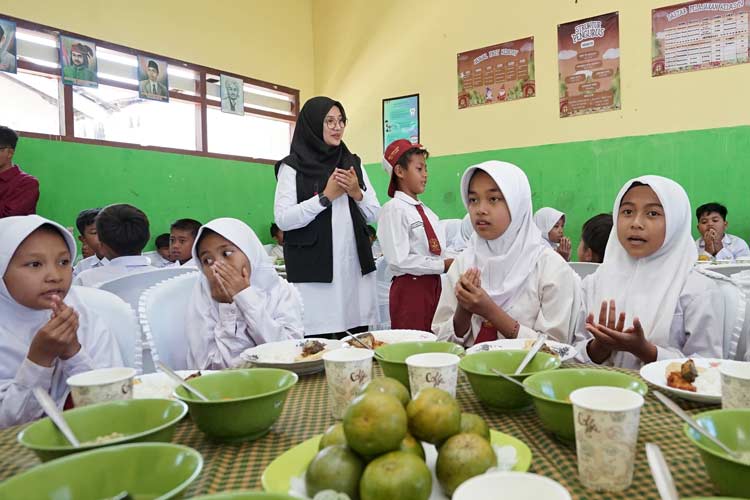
268 40
368 50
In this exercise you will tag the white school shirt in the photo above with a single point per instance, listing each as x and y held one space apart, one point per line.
277 252
89 263
402 237
19 375
733 248
121 266
549 302
697 327
349 300
160 262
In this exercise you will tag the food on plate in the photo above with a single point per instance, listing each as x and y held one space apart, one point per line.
332 436
193 375
396 475
311 350
411 445
689 377
375 423
334 468
473 423
462 457
367 339
104 439
388 385
545 348
434 415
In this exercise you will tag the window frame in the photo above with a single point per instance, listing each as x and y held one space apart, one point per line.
67 122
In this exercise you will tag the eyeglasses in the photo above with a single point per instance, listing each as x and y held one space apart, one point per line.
332 122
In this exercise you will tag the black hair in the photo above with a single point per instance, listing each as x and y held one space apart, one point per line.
162 241
191 225
274 230
206 231
404 158
710 208
123 228
86 218
595 234
371 231
8 137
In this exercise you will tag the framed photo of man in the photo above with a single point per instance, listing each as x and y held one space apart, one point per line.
78 62
7 46
153 80
232 95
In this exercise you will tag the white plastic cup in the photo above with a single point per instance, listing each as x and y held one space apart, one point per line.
102 385
735 384
606 425
433 369
347 371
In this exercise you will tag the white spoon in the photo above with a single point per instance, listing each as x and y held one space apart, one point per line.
179 380
50 408
660 472
532 352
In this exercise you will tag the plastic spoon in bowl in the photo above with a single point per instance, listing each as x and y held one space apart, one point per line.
695 425
179 380
518 383
660 472
532 352
50 408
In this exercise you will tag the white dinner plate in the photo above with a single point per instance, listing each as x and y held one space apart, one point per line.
656 374
284 354
159 385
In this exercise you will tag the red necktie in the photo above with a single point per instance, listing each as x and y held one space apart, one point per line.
432 238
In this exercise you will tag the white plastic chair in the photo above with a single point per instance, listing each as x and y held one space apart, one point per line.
130 288
453 238
729 270
743 341
736 310
268 247
120 319
583 269
161 313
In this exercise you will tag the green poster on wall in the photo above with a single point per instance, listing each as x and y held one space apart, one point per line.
401 119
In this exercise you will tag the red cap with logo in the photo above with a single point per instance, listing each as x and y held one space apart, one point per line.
392 154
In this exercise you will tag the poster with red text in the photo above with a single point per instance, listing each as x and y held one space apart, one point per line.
498 73
699 35
588 60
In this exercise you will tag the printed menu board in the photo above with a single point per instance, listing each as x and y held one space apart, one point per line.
699 35
498 73
589 65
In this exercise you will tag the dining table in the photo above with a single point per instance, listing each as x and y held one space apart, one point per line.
306 413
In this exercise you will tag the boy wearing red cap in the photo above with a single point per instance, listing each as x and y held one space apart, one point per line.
412 240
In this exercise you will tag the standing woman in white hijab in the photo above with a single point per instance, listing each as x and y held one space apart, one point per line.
239 301
507 283
47 333
551 222
650 301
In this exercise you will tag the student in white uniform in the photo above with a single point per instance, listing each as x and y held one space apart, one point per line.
507 283
277 251
412 239
92 257
182 234
162 257
123 231
646 301
46 333
551 222
239 301
714 242
324 201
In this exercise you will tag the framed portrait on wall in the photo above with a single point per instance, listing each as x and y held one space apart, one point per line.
232 95
7 46
401 119
153 80
78 62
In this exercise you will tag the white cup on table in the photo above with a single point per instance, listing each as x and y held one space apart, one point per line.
735 384
102 385
347 371
606 425
433 369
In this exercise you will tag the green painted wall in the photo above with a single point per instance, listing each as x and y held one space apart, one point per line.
580 178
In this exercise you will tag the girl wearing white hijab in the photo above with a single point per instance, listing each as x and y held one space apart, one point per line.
239 301
551 222
507 283
47 333
667 309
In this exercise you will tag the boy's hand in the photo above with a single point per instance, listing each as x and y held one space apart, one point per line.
332 189
58 338
564 248
713 243
230 280
348 181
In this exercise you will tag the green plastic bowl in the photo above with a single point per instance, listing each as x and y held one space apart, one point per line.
495 392
144 470
550 391
731 427
247 495
139 420
392 357
243 405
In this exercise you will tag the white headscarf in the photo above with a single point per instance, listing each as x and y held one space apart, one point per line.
506 262
545 219
203 312
649 287
467 229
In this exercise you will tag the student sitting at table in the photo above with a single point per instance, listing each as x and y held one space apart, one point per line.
551 222
47 333
92 257
163 257
507 283
182 234
714 242
277 251
123 231
239 301
594 236
647 302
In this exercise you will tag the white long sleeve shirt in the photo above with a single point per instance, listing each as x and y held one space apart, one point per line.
349 300
732 249
548 303
402 237
116 268
89 263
